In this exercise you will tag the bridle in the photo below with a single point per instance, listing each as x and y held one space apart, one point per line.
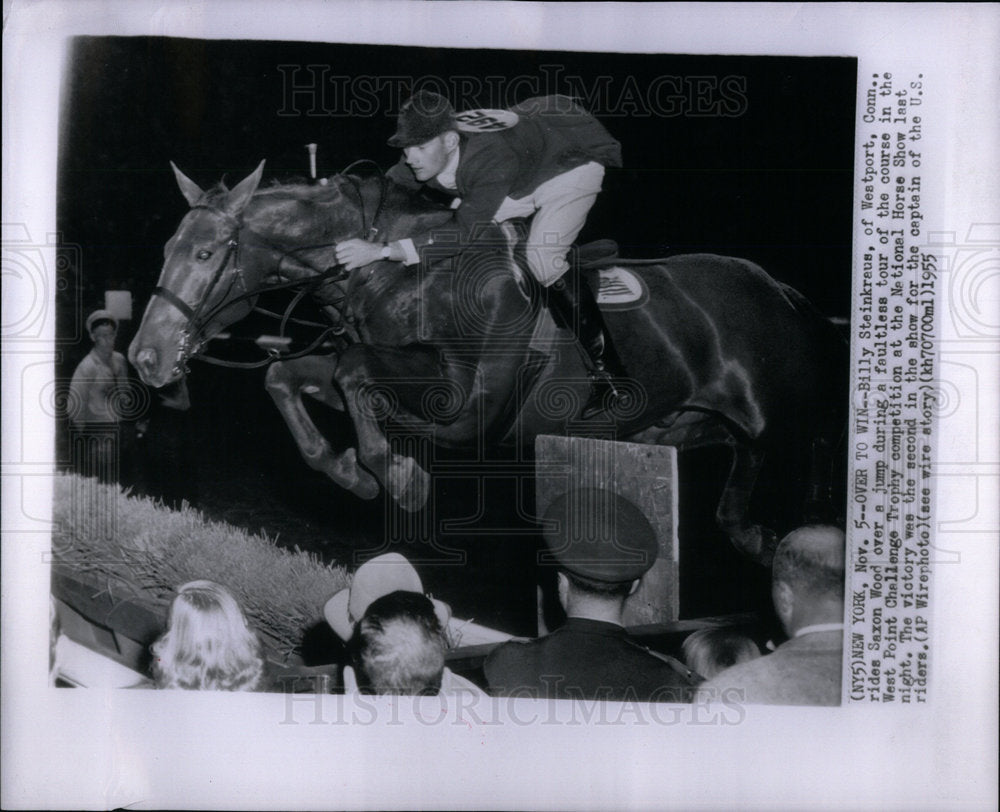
190 343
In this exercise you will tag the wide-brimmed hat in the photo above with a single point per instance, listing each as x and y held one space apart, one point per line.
374 579
100 315
423 116
598 534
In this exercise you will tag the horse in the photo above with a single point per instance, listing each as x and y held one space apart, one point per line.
713 350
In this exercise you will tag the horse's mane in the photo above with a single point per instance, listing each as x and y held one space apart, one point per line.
281 190
300 190
399 199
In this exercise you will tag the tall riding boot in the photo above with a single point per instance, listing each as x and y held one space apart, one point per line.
577 310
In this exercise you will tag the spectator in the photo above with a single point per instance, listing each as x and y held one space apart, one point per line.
397 635
602 549
807 586
208 644
398 647
97 393
709 651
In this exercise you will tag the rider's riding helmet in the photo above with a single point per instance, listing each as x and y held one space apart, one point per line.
423 116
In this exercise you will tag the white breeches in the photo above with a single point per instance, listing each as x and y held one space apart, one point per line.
560 207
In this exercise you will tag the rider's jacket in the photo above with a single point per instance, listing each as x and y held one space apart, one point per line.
553 135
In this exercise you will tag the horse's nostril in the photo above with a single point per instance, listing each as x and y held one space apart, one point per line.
146 358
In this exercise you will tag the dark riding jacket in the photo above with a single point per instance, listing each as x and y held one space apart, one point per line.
553 135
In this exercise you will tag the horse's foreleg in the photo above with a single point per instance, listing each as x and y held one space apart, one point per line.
286 382
376 383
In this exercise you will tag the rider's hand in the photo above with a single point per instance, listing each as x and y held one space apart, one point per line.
357 253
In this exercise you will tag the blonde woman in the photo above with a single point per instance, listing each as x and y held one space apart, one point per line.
208 645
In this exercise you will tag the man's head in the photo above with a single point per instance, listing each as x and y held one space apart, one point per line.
602 543
710 651
575 590
427 134
103 330
807 577
398 647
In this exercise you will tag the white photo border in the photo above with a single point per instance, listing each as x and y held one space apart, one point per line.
104 750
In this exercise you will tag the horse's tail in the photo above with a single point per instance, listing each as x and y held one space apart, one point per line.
828 334
833 342
827 473
810 311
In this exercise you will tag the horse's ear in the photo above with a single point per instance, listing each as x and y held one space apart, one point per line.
192 191
238 198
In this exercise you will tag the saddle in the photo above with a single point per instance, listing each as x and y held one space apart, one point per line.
587 257
596 254
587 260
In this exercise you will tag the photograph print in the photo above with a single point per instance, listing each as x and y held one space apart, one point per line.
405 370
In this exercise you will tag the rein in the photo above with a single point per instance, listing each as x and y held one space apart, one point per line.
197 321
371 231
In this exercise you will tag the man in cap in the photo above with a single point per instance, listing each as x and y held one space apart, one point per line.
807 586
548 165
97 394
397 635
602 545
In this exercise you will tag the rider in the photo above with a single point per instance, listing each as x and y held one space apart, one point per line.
549 164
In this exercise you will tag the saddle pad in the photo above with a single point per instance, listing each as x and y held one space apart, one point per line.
618 288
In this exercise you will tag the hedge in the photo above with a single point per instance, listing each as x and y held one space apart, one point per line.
137 548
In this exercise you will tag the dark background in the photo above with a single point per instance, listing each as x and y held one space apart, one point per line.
772 184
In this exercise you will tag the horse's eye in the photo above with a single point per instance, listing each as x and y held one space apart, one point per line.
203 254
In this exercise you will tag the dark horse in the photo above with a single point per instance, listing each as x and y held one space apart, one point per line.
714 350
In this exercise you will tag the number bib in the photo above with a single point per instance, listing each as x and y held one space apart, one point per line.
485 121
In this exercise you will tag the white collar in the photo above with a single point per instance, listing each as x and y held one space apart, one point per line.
820 627
446 177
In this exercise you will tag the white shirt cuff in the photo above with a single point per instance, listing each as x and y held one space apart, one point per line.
409 252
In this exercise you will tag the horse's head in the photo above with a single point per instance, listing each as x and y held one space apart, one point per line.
202 288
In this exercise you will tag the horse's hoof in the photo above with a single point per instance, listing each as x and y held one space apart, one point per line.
408 483
345 471
361 483
419 490
756 543
366 487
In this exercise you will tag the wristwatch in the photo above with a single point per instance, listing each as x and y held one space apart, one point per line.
385 251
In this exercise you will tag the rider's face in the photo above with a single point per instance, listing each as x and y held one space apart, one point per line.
429 159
